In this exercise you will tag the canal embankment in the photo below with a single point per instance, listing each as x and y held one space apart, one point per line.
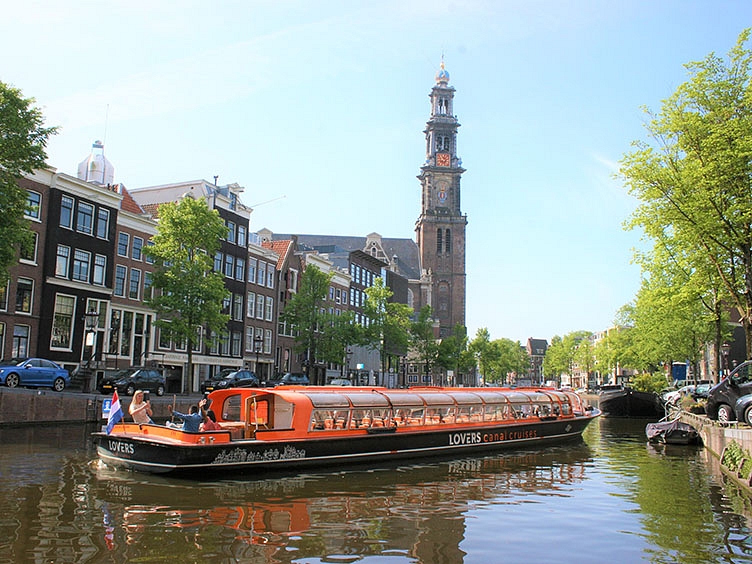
21 406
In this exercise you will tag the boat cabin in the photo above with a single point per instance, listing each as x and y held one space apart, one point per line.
256 413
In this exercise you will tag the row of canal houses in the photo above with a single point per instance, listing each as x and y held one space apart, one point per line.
77 296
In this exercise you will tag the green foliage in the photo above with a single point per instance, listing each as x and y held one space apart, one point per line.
737 460
693 182
564 354
388 330
23 139
649 382
454 354
424 345
188 293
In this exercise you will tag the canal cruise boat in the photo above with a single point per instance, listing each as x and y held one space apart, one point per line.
286 428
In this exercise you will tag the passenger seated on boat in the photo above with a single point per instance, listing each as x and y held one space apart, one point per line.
377 422
328 423
339 423
191 420
365 422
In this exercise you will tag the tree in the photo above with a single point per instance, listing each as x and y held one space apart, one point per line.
189 294
693 181
306 313
23 140
423 339
388 328
454 355
561 356
480 347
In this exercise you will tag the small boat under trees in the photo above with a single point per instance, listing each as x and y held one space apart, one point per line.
287 428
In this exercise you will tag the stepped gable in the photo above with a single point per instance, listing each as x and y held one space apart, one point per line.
406 251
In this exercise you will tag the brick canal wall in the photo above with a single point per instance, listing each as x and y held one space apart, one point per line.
716 436
20 406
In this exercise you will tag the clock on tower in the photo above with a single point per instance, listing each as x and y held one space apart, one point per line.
442 159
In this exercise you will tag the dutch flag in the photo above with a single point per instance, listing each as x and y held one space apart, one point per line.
116 414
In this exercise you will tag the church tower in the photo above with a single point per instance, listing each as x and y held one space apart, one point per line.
440 229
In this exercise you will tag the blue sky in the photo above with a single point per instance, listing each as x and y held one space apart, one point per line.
318 109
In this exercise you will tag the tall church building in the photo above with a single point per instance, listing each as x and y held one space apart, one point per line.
434 263
440 229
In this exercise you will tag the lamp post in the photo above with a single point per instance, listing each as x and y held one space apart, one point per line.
346 367
257 344
91 322
725 349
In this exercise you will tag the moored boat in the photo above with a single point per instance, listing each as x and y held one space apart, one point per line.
287 428
674 432
623 401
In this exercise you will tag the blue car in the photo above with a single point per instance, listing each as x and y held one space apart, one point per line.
33 372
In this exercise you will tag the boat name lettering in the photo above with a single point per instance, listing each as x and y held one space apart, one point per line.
121 447
464 438
241 455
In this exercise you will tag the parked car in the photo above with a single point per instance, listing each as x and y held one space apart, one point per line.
701 391
340 382
674 396
743 409
288 379
723 396
33 372
128 380
230 378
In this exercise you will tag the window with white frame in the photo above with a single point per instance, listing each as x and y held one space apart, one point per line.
120 275
62 262
237 343
231 232
261 273
20 346
62 322
33 205
229 265
240 269
138 247
148 288
241 235
237 307
249 339
269 308
270 276
252 269
81 265
24 295
66 212
217 262
103 223
260 306
4 296
251 305
123 243
267 341
135 284
84 218
100 270
29 250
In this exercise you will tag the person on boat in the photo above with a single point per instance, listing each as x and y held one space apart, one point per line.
191 420
139 409
210 421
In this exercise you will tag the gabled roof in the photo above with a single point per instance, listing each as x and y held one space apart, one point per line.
281 248
405 250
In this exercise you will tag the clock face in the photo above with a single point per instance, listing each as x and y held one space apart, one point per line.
442 159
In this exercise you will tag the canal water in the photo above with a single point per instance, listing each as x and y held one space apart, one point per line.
609 498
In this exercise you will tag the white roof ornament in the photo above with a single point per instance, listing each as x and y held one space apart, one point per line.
96 168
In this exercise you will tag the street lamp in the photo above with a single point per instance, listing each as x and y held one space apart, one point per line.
91 322
257 344
346 367
725 349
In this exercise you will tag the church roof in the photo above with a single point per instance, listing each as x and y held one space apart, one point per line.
405 250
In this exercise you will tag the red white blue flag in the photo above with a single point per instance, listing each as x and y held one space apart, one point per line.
116 414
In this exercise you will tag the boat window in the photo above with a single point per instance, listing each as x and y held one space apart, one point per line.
441 415
438 399
497 412
365 418
399 398
329 419
409 415
258 412
491 397
231 408
466 398
522 409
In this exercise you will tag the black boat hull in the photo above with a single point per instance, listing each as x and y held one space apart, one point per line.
626 402
257 456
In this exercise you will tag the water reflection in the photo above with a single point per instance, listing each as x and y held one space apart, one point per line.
609 498
412 511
